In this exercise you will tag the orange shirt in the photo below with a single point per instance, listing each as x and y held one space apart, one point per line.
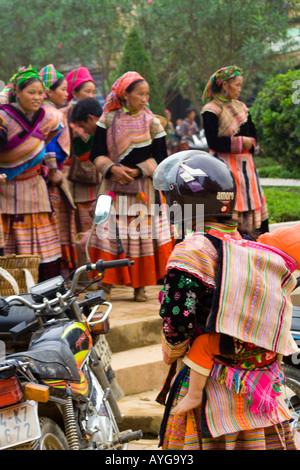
203 350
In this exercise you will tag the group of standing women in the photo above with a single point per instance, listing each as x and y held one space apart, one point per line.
37 205
212 320
53 171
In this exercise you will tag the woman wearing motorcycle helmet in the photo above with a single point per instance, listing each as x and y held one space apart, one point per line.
217 300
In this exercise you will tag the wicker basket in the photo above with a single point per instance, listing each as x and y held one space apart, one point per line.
23 269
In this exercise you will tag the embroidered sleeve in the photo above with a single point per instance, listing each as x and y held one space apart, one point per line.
185 306
77 131
172 352
228 144
147 167
52 124
51 161
237 144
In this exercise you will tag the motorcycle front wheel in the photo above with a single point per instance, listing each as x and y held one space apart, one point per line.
291 391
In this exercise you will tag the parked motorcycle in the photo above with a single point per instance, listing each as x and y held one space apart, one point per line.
196 142
56 395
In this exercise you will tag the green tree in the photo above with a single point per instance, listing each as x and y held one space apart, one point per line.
63 32
276 112
135 58
188 41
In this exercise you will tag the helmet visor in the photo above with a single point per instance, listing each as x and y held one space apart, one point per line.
166 172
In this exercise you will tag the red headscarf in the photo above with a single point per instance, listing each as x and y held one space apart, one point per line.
76 77
115 99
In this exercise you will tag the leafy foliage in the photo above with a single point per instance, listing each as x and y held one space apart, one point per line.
276 113
63 32
191 40
135 58
283 204
186 41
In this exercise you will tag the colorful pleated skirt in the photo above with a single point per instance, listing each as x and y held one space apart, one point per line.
189 431
148 242
32 234
65 214
251 206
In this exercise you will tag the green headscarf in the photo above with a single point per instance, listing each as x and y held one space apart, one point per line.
216 80
23 74
49 75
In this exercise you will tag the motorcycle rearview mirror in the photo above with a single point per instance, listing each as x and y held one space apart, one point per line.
102 209
101 214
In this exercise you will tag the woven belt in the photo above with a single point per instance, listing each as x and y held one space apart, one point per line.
27 174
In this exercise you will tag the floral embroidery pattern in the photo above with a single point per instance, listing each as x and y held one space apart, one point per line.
185 305
186 282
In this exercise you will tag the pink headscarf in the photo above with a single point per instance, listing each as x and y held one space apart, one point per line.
76 77
115 99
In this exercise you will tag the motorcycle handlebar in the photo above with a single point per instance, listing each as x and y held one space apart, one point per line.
117 263
100 266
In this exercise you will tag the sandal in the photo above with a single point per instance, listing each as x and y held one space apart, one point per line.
140 294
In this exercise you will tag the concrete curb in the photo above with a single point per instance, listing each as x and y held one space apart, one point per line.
278 182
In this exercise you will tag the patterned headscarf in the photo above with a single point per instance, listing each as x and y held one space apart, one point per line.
115 99
49 75
216 80
77 77
23 74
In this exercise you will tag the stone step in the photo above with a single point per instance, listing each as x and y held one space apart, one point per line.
139 369
134 333
141 411
144 444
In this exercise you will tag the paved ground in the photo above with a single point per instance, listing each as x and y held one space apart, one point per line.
125 309
144 444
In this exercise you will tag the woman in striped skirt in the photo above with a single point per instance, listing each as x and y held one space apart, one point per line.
29 223
57 152
231 136
226 311
129 143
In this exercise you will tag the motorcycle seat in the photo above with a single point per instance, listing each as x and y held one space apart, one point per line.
50 360
17 314
296 320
